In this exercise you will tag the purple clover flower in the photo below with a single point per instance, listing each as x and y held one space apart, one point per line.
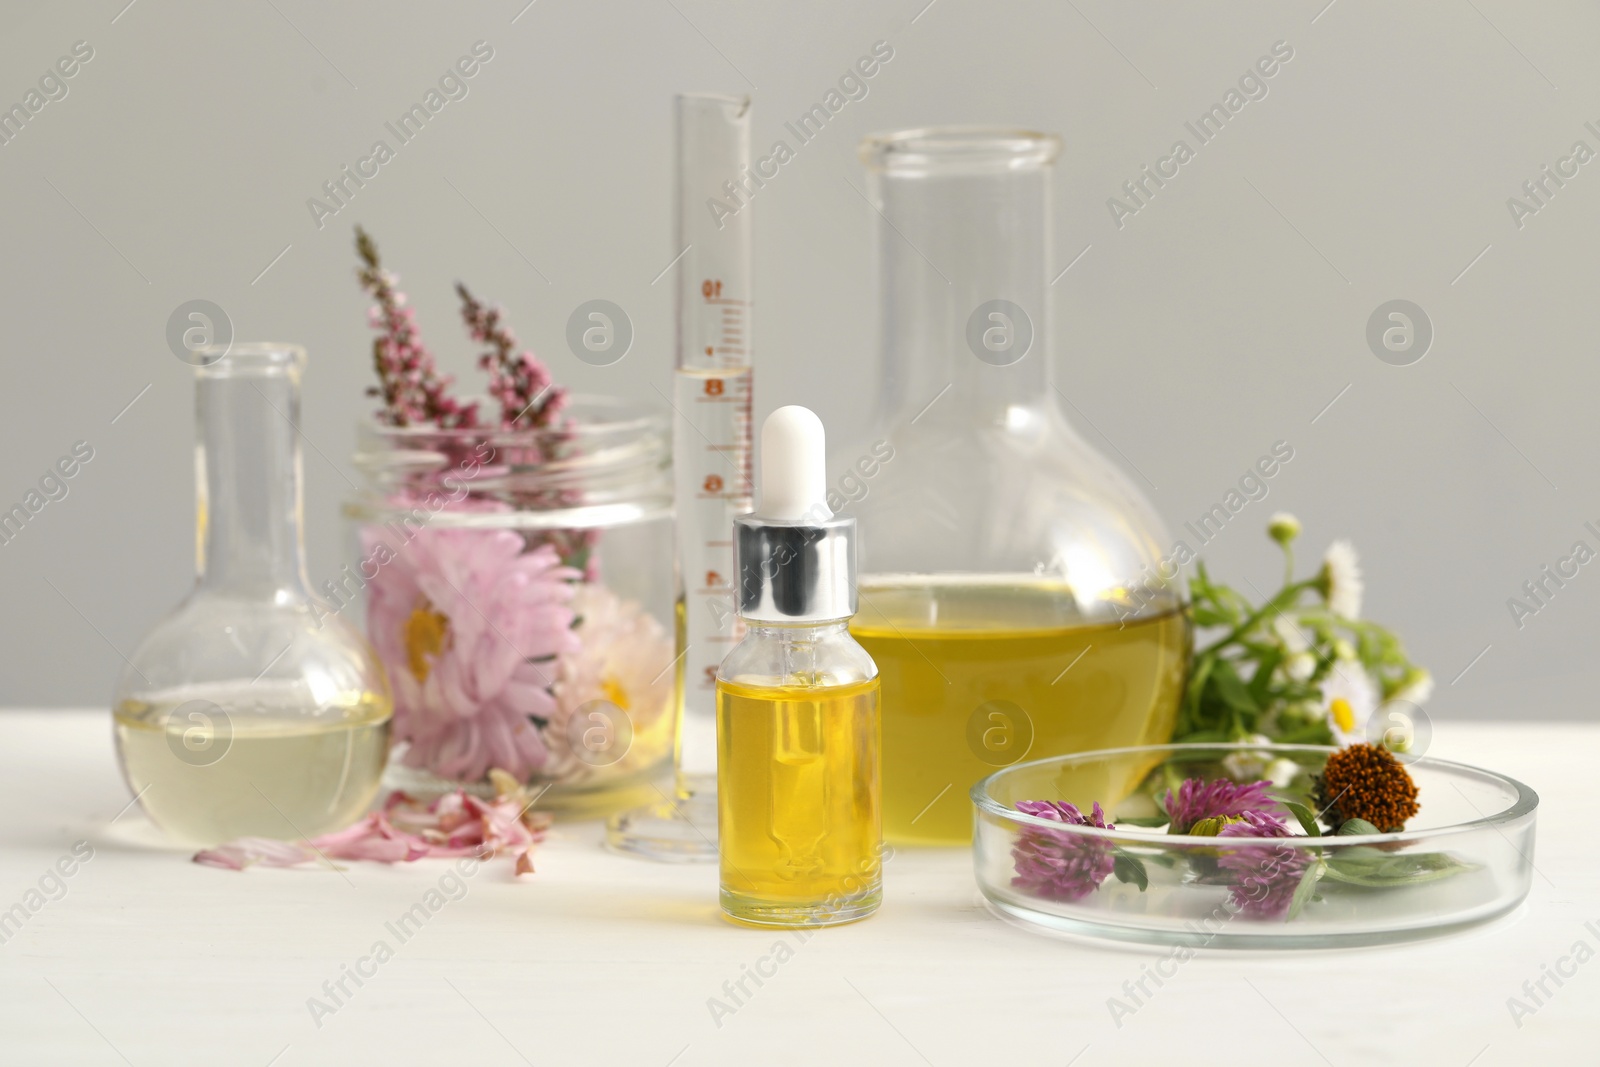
1265 877
1198 799
1060 865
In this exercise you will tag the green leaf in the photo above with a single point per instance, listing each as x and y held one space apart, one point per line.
1389 881
1303 891
1355 827
1200 675
1147 821
1232 689
1423 866
1392 871
1307 818
1361 859
1199 737
1127 868
1266 664
1313 733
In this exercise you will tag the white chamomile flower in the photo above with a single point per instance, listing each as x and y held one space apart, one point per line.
1349 698
1416 688
1248 766
1294 639
1298 662
1300 666
1399 720
1340 580
1280 772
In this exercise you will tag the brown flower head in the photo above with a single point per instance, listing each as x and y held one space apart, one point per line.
1366 782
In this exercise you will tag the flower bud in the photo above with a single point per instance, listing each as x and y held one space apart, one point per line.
1283 527
1213 826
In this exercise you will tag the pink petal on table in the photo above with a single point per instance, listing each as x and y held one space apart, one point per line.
454 824
250 851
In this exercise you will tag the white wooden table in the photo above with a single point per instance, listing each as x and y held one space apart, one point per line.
146 958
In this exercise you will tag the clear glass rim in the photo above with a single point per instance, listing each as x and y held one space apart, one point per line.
588 416
608 463
1527 800
740 104
248 357
997 147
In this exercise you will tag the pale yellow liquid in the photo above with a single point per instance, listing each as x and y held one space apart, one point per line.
977 676
282 772
798 803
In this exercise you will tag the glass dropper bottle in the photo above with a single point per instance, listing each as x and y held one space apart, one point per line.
797 705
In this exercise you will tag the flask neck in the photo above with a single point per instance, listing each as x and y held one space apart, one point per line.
963 245
248 473
942 386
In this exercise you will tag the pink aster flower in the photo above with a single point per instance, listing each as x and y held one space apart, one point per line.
469 623
623 659
1059 865
1265 877
1198 799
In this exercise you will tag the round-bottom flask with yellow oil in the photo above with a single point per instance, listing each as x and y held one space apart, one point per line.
1018 592
979 674
252 709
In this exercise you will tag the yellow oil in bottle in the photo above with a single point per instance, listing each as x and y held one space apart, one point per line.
208 771
981 674
798 802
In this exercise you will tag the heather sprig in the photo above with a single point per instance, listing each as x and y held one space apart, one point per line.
413 391
522 384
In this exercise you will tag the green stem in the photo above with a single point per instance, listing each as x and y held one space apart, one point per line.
1282 599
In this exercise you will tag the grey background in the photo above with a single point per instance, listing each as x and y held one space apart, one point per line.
1224 316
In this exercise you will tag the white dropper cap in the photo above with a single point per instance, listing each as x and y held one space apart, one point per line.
794 481
796 560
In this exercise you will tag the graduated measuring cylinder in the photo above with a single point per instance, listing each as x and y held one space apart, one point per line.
711 460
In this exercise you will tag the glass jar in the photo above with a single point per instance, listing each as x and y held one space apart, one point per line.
1018 593
249 711
519 588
